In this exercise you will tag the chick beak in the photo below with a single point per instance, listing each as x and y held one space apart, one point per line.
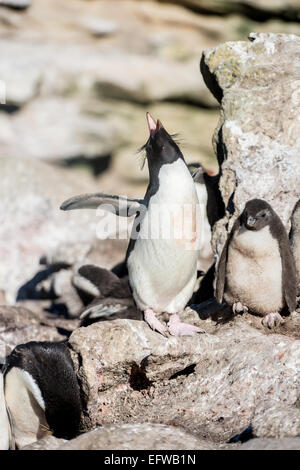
251 221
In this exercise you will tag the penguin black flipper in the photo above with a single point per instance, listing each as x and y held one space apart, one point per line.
120 269
118 205
289 273
221 269
294 238
41 375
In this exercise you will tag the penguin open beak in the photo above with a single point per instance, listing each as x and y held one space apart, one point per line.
151 124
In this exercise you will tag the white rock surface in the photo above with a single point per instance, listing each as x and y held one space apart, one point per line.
257 138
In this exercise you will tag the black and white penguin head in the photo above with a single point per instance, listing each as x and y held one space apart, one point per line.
256 215
160 147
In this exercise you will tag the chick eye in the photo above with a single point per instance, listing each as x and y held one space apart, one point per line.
264 214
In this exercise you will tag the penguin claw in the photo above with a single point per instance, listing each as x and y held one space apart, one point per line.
238 307
154 323
272 320
177 328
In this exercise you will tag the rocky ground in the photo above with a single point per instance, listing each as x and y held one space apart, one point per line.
78 82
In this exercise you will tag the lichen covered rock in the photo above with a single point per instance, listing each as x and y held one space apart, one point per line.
213 384
257 139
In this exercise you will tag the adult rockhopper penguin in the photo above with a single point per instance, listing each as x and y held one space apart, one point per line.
164 246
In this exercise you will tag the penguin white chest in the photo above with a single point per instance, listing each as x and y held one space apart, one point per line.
162 266
4 422
254 271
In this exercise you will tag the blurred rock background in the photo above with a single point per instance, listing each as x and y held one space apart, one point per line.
80 76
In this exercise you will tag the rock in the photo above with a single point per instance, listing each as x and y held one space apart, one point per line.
16 4
120 75
19 325
80 113
257 138
271 419
98 27
39 131
139 436
31 194
90 131
212 384
287 443
256 9
144 436
46 443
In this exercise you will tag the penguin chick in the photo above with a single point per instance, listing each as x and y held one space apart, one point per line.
295 240
42 392
162 266
256 271
114 295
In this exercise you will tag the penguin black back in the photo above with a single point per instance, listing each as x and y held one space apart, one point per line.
51 367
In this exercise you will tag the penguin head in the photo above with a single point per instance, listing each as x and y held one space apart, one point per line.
160 147
256 214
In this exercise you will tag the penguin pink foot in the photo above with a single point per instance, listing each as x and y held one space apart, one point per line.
238 307
176 328
271 320
154 323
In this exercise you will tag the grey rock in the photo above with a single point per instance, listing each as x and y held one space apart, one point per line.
18 4
19 325
256 140
91 110
144 436
138 436
91 129
272 419
31 194
211 384
63 130
46 443
99 27
253 8
287 443
104 74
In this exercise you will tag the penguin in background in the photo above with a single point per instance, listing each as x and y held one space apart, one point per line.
206 253
162 269
41 391
256 271
114 295
207 185
295 240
